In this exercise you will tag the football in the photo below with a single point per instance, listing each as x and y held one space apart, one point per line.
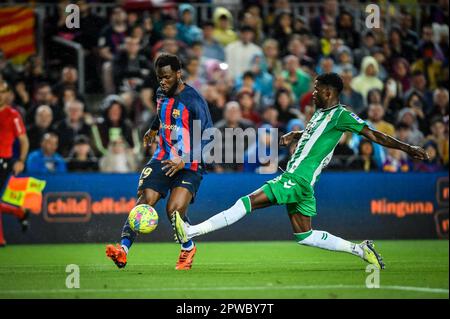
143 219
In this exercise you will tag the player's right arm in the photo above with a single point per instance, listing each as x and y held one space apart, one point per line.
378 137
150 135
287 139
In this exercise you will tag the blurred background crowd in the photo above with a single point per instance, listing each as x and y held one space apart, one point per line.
254 62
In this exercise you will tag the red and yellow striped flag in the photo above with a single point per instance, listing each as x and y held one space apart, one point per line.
17 33
25 192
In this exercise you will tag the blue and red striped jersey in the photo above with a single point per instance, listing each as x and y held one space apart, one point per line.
175 124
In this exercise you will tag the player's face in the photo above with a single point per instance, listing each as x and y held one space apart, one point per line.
3 94
168 79
320 95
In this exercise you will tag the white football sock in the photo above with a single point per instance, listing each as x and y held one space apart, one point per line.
125 248
223 219
325 240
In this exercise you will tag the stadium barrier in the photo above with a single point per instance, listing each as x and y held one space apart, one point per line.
93 207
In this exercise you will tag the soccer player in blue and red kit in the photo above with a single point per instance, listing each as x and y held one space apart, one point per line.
173 166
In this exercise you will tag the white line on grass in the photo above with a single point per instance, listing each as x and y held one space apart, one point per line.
303 287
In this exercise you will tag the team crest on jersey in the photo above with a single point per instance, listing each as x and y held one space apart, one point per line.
176 113
356 117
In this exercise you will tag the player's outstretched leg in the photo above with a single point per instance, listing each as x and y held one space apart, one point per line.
118 253
188 250
371 255
184 232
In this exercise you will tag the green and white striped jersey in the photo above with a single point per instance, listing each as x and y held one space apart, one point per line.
316 145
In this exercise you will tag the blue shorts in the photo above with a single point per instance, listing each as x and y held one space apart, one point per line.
154 177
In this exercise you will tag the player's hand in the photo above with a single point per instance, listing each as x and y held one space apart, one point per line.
418 153
18 167
173 166
287 139
149 136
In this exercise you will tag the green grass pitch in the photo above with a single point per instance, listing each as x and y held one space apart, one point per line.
228 270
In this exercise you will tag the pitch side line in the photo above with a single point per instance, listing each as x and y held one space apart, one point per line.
312 287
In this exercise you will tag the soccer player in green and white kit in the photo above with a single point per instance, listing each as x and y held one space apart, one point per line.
294 188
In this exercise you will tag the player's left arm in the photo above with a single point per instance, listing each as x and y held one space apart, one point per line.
19 165
378 137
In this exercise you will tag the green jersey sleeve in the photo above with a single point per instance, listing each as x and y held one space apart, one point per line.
350 122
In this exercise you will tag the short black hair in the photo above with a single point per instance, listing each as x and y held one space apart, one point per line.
248 74
207 23
331 79
168 59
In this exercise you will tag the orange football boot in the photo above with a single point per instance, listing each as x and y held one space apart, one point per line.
117 254
185 259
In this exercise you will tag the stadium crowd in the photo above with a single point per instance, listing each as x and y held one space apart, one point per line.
253 70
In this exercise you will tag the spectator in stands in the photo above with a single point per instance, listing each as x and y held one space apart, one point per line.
346 30
376 119
345 60
429 65
364 160
326 65
298 46
232 119
271 54
428 39
367 48
73 125
398 47
112 125
131 69
41 125
247 104
46 160
44 96
440 104
188 31
439 136
367 78
328 15
212 49
81 157
416 103
33 75
216 102
263 79
328 39
113 35
223 26
69 78
285 108
282 30
296 77
401 74
254 21
119 158
433 164
396 161
419 85
350 97
408 117
406 28
91 23
239 53
192 73
270 116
